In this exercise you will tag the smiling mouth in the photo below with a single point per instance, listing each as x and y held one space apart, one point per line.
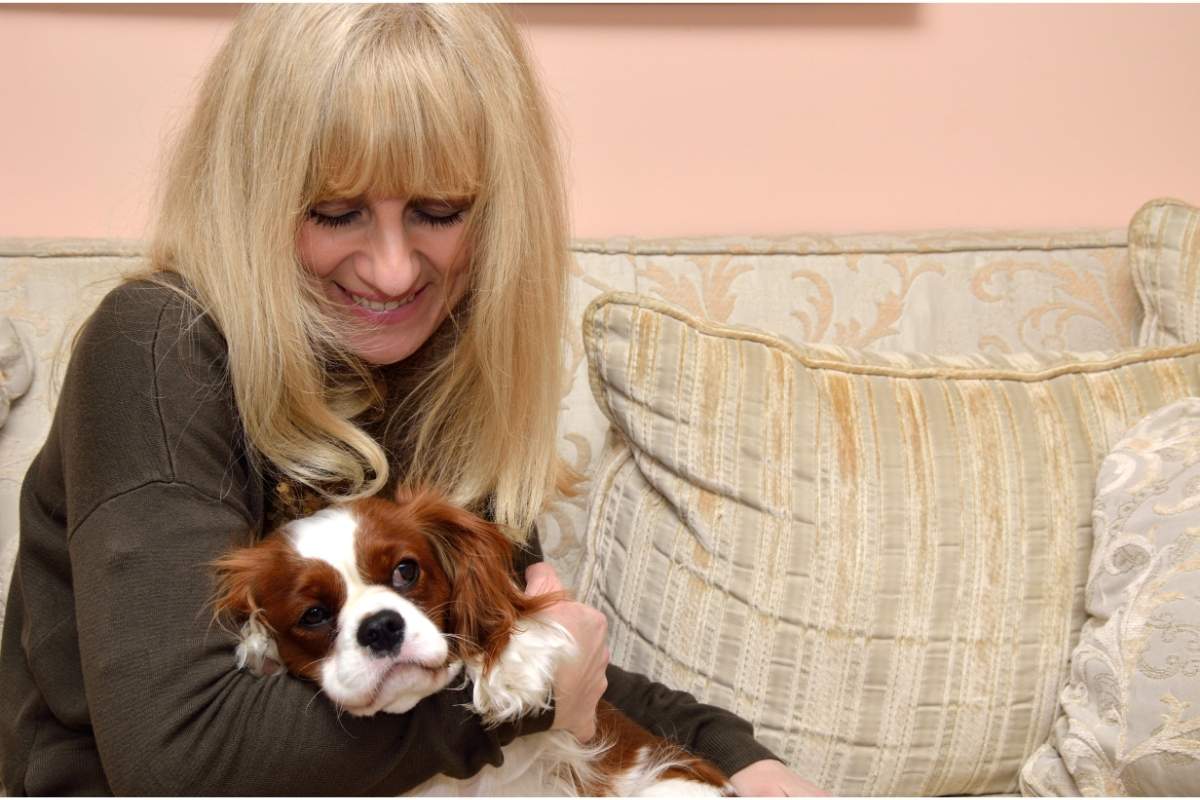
378 306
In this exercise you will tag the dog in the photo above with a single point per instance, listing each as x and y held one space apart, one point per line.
384 603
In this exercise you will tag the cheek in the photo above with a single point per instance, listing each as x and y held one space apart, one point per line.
302 654
456 261
320 251
433 597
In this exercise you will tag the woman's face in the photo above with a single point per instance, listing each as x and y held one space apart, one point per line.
394 265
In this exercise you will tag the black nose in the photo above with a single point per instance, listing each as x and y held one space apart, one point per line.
383 631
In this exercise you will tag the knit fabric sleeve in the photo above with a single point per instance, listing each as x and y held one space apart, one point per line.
157 487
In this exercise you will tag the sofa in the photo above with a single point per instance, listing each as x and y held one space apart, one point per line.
844 485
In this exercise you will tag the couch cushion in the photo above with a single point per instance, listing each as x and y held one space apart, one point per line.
877 559
925 291
1131 710
1164 255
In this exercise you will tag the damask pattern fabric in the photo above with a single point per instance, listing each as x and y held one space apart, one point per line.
878 559
1164 253
1131 711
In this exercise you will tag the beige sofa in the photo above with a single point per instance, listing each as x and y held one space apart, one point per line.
983 293
937 292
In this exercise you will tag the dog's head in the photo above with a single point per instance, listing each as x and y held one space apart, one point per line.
378 602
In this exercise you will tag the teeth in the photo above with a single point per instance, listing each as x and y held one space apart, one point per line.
377 306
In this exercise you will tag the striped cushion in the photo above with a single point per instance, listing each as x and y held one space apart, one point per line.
877 559
1164 256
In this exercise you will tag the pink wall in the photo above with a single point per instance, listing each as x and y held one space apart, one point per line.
695 119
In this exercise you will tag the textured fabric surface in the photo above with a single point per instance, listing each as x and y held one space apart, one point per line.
934 291
878 559
16 367
930 292
1131 711
1164 255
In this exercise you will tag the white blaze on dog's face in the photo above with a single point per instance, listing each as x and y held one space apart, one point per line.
387 649
356 599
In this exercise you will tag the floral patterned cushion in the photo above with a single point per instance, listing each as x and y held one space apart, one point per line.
1130 722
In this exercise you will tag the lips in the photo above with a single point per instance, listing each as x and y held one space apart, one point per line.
384 312
374 305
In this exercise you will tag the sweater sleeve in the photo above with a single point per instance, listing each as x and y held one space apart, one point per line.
156 488
722 737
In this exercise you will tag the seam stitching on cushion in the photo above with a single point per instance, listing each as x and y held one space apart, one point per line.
137 249
660 250
948 373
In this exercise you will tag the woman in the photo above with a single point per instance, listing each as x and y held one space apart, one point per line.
358 274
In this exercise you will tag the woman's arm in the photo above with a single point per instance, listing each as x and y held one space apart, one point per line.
723 738
170 713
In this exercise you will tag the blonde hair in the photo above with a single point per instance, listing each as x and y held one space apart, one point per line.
307 102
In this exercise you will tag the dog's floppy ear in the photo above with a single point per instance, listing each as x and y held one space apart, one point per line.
234 603
486 601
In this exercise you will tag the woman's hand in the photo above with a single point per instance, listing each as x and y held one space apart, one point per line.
578 684
770 778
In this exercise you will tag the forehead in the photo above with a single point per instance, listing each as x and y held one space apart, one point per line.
352 540
326 536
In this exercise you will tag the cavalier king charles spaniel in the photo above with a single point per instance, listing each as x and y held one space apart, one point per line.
385 603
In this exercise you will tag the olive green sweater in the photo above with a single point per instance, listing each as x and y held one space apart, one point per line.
113 678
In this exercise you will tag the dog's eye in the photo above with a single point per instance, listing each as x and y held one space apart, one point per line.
315 617
405 574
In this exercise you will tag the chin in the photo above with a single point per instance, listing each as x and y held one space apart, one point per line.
381 354
385 603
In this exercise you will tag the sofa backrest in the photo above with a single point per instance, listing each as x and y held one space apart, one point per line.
931 292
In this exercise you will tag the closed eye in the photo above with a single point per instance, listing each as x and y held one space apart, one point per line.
334 220
439 220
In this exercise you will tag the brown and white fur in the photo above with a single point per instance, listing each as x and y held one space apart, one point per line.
383 604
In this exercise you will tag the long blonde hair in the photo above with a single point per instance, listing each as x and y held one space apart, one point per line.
305 102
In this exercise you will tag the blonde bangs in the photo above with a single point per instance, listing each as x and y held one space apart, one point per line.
404 121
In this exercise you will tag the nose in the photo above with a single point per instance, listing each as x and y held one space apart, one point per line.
382 632
393 267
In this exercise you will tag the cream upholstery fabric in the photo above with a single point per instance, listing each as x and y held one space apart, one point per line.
1164 250
16 367
877 559
935 291
930 292
1131 711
